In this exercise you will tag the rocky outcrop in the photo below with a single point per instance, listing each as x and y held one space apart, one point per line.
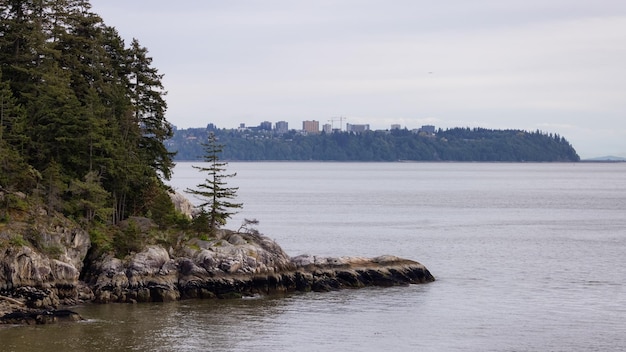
240 264
38 317
36 279
47 257
40 264
354 272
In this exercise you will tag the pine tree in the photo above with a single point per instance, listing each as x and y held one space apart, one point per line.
214 192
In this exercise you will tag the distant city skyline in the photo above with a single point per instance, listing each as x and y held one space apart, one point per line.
284 125
550 65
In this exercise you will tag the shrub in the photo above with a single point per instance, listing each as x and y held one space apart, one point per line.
128 240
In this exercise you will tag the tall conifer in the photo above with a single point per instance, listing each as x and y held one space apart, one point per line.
214 193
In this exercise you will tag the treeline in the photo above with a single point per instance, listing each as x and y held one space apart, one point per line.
82 116
456 144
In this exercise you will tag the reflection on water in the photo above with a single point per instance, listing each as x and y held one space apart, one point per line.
193 325
304 322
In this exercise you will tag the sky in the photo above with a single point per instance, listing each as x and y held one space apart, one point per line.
558 66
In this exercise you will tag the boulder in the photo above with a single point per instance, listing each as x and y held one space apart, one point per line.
183 205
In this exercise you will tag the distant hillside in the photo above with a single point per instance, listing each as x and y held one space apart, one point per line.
456 144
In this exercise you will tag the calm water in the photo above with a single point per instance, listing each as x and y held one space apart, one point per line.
528 257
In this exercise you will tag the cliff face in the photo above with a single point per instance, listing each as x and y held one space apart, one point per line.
35 281
40 265
43 257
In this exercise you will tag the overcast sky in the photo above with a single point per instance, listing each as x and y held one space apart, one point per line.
554 65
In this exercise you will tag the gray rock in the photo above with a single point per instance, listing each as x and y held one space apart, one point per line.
240 264
183 205
233 264
53 262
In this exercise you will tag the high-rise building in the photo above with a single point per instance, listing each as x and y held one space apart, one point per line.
282 127
265 126
311 126
395 127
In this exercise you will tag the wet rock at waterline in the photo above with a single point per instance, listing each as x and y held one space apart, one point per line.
241 264
34 283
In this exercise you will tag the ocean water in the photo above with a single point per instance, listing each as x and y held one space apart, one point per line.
527 257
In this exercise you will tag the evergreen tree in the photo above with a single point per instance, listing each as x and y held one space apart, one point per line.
88 199
149 108
214 192
53 186
15 173
10 111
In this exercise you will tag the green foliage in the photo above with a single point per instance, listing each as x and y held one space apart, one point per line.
82 116
214 193
100 239
457 144
159 207
18 241
201 222
82 127
15 173
88 199
11 201
127 240
53 186
147 95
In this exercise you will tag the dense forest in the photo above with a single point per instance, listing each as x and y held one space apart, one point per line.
82 117
456 144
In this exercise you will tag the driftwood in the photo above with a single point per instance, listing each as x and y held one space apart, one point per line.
11 300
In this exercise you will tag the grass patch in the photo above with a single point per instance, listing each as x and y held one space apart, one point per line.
18 241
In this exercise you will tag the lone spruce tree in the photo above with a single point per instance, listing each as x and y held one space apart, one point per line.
216 196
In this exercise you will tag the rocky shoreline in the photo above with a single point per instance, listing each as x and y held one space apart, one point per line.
35 287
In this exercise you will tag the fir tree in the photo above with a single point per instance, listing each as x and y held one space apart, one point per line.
214 192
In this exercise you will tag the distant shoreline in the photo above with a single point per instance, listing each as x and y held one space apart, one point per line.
403 161
602 161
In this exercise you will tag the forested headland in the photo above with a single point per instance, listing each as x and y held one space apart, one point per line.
456 144
82 122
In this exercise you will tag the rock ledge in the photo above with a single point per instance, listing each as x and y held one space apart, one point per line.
33 286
